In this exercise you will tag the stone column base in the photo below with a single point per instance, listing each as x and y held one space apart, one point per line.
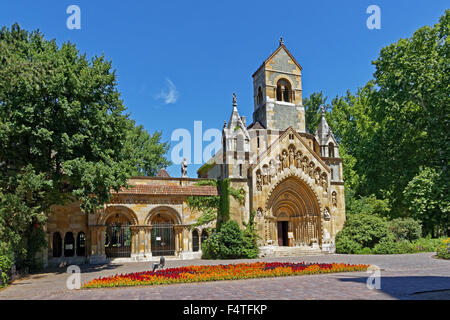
141 256
190 255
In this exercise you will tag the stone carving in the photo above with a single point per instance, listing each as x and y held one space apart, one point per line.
272 170
298 160
259 213
265 175
326 215
184 168
311 170
291 157
280 163
258 180
317 176
285 160
305 164
334 198
324 182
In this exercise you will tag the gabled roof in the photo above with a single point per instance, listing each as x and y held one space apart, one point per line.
280 47
256 125
281 137
323 132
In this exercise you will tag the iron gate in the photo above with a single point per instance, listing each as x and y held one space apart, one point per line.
118 241
163 240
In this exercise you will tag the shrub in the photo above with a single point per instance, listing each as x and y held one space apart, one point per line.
405 229
6 262
443 250
386 245
365 251
361 230
426 245
230 242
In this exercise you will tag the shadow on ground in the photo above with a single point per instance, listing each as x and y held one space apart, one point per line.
411 287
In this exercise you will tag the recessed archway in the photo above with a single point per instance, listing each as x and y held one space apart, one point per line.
297 213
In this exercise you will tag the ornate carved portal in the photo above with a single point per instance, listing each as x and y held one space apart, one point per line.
296 214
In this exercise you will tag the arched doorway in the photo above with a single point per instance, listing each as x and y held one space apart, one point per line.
297 213
118 236
162 220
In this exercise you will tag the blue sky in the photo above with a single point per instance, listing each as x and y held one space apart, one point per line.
180 61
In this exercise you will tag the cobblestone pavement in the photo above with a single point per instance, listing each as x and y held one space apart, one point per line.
414 276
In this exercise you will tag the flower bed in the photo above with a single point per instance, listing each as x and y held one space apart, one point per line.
220 272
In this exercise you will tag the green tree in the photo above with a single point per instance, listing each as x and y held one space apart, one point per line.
148 152
312 110
64 134
427 198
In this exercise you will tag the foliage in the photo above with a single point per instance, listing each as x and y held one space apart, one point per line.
6 262
238 194
367 205
223 214
147 151
207 182
230 242
312 110
64 135
427 198
405 229
361 230
251 249
443 250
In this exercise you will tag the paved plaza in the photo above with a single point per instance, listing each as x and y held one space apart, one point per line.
414 276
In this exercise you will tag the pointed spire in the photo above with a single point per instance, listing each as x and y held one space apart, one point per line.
323 131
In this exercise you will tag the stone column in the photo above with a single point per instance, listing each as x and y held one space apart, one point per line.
97 244
178 239
134 240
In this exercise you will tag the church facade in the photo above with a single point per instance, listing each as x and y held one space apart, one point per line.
292 181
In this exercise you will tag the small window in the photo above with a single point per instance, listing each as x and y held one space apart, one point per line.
204 236
284 90
240 170
81 244
331 150
195 241
259 97
69 245
57 245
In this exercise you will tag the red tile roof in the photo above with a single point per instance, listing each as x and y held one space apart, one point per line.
171 190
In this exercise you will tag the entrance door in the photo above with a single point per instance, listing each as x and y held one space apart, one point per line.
283 227
118 241
163 240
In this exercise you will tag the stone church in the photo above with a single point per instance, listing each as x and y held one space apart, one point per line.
292 180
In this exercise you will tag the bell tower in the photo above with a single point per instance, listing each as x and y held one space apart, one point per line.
277 88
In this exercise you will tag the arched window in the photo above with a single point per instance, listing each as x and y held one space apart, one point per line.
331 150
259 97
57 245
204 236
195 241
69 244
284 90
81 244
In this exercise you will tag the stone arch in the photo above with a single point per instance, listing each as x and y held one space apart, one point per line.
166 213
120 211
295 206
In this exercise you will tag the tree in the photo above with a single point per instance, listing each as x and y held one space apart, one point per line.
427 198
64 134
312 110
147 151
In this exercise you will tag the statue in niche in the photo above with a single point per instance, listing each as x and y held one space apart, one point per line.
334 198
184 168
272 170
317 177
285 160
291 157
258 181
298 159
324 183
305 164
311 169
280 163
326 215
259 213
